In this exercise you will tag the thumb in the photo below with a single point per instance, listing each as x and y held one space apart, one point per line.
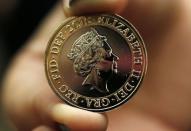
51 109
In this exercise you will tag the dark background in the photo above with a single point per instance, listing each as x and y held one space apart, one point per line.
18 19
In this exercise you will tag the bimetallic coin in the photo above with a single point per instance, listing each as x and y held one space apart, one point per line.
96 62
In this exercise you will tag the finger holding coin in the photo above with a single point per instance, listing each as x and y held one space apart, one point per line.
81 7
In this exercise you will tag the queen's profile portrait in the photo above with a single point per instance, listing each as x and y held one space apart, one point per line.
94 60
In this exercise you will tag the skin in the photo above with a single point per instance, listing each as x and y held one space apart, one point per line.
161 104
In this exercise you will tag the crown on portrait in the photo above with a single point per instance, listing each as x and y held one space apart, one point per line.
91 39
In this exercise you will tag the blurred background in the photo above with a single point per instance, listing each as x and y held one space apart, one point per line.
18 19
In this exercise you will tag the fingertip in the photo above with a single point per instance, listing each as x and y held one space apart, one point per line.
78 119
76 7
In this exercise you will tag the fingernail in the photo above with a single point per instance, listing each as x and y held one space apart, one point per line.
72 2
81 7
63 127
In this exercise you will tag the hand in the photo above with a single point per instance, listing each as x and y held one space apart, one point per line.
163 101
28 99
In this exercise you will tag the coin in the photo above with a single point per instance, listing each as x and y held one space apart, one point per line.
95 62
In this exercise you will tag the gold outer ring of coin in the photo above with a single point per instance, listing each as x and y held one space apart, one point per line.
96 62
